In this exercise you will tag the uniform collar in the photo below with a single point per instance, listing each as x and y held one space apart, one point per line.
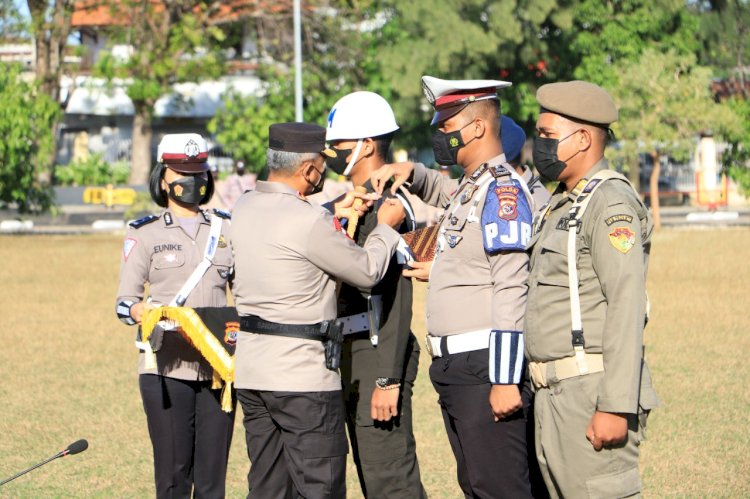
277 188
170 220
600 165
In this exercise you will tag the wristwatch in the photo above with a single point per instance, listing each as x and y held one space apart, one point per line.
387 383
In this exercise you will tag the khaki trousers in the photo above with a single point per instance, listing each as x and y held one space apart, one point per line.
569 464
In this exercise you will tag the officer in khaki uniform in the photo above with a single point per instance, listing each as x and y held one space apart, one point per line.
289 254
585 344
477 292
189 432
380 355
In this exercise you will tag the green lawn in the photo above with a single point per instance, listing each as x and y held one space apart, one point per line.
69 371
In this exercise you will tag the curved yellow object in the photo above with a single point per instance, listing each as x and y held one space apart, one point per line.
197 334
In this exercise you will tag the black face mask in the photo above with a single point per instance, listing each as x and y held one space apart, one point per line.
318 186
339 163
188 190
446 146
545 157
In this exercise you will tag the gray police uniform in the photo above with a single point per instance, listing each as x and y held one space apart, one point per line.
384 452
473 295
538 191
191 435
612 248
289 254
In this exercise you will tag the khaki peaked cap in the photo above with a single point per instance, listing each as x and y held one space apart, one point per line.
580 100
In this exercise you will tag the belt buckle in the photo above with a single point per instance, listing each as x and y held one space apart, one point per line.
428 345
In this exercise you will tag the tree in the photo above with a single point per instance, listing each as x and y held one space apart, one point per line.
664 102
26 118
50 26
339 57
607 35
523 41
171 42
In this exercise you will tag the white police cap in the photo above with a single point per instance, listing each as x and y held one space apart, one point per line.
449 97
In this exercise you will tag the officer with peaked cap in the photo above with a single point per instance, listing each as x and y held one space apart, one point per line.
190 433
380 355
587 303
477 293
289 254
513 138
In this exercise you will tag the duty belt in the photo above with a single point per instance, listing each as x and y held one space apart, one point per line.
545 374
328 332
255 324
440 346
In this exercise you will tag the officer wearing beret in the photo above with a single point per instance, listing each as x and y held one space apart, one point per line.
189 431
477 293
513 138
587 303
380 356
289 254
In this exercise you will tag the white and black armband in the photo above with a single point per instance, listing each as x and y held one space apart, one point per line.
123 311
506 357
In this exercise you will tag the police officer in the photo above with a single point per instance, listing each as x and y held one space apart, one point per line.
587 303
513 138
381 356
289 254
477 292
189 431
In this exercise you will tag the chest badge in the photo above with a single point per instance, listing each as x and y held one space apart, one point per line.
453 239
468 193
622 238
222 241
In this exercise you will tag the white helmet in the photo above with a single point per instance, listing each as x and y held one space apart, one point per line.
360 115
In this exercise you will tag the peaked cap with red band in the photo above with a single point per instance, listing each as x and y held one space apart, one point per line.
450 97
183 152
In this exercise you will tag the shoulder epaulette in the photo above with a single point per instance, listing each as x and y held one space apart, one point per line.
500 171
223 214
137 224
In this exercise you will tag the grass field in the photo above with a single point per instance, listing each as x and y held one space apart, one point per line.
69 371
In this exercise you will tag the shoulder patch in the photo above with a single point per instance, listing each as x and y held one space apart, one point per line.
506 217
137 224
619 218
127 248
622 238
223 214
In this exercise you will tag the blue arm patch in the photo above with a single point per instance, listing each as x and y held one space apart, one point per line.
506 218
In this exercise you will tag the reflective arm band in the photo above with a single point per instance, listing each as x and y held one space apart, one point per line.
123 312
506 357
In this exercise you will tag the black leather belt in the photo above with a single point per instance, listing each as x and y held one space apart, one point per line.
255 324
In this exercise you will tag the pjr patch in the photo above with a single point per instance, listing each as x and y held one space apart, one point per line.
506 218
231 331
127 248
618 218
622 238
507 197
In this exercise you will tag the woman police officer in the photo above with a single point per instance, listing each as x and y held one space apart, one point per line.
189 431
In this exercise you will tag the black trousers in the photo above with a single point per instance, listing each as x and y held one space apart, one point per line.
385 453
190 435
296 443
491 457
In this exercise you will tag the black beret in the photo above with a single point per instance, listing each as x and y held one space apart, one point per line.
297 137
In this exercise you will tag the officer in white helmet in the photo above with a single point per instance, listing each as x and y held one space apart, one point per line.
380 354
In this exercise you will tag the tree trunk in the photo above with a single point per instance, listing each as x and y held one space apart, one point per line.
654 188
634 173
141 148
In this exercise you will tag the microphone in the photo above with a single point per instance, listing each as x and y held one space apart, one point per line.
74 448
